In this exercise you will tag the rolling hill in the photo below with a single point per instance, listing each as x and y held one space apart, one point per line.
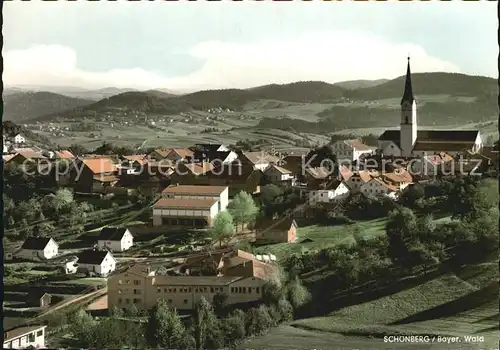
28 105
443 98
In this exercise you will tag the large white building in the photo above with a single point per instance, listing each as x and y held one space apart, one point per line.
349 151
24 337
38 248
190 205
408 141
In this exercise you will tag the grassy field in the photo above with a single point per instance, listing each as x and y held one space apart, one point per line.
455 304
325 236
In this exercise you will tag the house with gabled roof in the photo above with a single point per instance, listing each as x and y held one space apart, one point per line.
260 160
237 177
279 175
359 178
377 187
159 154
116 239
93 174
64 154
38 248
327 192
349 151
191 173
96 262
283 230
180 155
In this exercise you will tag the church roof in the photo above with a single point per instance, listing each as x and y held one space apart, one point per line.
437 146
408 93
451 136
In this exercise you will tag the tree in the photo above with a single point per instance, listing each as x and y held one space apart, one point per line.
297 293
222 228
258 320
83 328
285 309
401 230
207 332
233 327
165 329
411 195
63 199
271 197
243 209
220 304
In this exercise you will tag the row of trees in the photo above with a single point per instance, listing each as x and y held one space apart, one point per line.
211 326
413 241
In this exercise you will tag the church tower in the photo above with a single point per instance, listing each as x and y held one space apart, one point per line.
408 127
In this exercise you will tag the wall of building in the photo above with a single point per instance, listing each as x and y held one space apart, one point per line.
37 340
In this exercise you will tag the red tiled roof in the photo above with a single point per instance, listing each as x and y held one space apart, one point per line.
185 203
65 154
100 165
195 189
360 146
182 152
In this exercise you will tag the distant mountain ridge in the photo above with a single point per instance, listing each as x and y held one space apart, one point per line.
22 106
159 102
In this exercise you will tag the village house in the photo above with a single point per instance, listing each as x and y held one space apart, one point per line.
217 158
326 192
64 154
38 248
204 264
211 147
400 178
294 163
98 263
349 151
190 173
93 175
27 155
259 160
276 231
142 286
237 177
159 154
24 337
180 155
279 175
70 266
19 139
38 298
115 239
429 166
377 187
359 178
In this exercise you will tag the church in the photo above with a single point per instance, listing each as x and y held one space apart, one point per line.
408 141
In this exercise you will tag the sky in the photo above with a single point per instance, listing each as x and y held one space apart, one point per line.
186 46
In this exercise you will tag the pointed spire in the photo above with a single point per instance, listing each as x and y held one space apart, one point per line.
408 94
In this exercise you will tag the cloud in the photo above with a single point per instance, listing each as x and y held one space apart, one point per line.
327 56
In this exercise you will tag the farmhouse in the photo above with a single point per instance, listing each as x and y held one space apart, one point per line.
190 173
259 160
326 192
359 178
141 286
237 177
349 151
24 337
93 174
276 231
19 139
96 262
27 155
38 248
400 178
408 141
115 239
376 187
280 175
159 154
180 155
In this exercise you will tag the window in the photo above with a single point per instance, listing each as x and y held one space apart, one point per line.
257 290
137 301
211 290
127 301
232 289
31 337
169 301
137 282
127 282
244 290
137 291
185 301
39 333
158 289
120 282
189 289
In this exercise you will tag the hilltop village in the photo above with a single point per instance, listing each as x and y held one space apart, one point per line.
118 232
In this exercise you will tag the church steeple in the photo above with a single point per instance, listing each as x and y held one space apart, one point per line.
408 93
